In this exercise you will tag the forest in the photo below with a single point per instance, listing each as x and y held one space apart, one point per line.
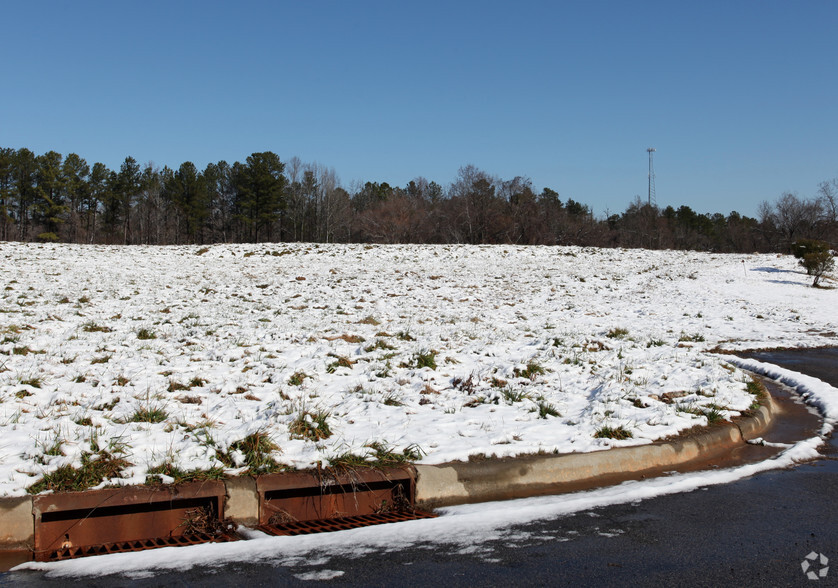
50 197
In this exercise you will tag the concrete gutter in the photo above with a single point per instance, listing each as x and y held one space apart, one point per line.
480 481
500 479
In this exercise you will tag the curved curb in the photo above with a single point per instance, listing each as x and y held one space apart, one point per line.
491 479
499 479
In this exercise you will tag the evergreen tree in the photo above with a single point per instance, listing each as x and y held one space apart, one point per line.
24 183
96 197
7 190
127 186
188 192
74 174
260 193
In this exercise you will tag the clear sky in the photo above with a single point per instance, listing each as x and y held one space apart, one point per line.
738 98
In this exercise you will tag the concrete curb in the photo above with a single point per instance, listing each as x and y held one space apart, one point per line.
500 479
490 479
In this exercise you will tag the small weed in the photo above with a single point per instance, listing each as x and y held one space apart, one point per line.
695 338
146 334
467 385
34 382
391 398
382 455
617 333
497 382
613 433
546 409
175 386
297 378
425 359
379 344
181 476
256 449
311 425
512 395
714 414
149 415
530 372
756 388
340 361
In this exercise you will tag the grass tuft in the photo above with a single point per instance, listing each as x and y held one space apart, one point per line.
95 468
297 378
425 359
530 372
146 335
182 476
613 433
311 425
256 448
149 415
617 333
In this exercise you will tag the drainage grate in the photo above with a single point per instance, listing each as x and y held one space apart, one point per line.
344 523
140 545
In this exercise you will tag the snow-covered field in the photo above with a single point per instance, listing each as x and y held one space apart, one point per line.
171 356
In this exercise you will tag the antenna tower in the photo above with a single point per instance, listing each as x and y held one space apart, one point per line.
652 197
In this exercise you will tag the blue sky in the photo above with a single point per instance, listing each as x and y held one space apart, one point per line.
738 98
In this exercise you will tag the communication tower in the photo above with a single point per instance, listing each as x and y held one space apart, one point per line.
652 197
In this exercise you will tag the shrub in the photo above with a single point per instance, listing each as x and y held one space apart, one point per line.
48 238
815 256
817 264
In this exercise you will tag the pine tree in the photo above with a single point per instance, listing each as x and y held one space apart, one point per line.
260 188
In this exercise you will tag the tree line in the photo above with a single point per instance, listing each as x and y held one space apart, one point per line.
50 197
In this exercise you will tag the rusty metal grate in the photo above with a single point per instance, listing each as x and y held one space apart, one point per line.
343 523
139 545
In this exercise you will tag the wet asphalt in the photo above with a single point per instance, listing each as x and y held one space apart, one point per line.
753 532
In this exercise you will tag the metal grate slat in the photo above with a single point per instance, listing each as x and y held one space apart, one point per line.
142 545
343 523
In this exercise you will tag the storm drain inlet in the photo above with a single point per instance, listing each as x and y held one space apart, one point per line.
343 523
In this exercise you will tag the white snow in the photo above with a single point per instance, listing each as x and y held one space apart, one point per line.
814 391
606 333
